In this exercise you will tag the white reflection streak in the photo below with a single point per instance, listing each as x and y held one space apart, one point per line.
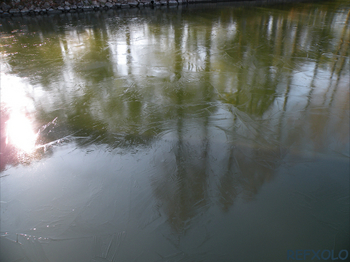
269 28
63 50
184 38
231 30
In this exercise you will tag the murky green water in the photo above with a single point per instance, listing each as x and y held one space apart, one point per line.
206 133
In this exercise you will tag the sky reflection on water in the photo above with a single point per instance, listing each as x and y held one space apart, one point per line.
169 135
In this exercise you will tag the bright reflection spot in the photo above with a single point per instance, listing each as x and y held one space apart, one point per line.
14 98
20 132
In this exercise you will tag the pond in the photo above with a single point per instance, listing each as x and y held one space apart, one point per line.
209 132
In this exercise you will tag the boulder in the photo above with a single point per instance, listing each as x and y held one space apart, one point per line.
53 11
46 5
124 5
24 11
13 10
87 7
133 4
5 14
5 7
30 7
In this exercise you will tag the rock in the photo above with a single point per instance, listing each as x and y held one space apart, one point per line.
87 7
14 11
172 2
163 2
37 10
5 14
31 7
133 4
53 11
60 8
24 11
20 7
94 2
102 1
74 10
5 7
124 6
109 5
46 5
66 8
73 7
67 3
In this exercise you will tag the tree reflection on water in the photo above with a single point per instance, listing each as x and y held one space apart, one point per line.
231 92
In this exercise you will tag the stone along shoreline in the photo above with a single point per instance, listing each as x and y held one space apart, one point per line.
25 7
19 8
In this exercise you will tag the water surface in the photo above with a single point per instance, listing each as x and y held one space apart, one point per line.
215 132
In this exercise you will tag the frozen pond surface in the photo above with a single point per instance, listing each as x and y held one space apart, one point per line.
206 133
